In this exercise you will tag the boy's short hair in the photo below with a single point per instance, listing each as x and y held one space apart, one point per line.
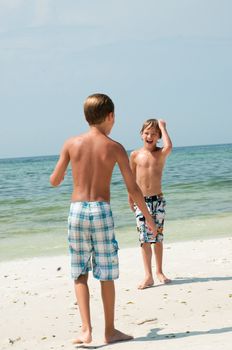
97 107
151 123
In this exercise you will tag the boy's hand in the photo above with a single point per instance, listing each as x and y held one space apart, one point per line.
131 204
162 123
151 225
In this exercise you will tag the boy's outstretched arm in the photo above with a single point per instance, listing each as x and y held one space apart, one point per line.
167 143
59 172
132 187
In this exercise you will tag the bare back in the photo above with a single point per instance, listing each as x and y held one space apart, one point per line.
92 157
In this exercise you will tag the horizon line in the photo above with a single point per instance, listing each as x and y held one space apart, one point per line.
128 150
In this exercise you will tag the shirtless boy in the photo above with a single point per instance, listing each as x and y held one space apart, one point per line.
147 165
92 242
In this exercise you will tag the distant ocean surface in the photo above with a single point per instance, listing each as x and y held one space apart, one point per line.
197 184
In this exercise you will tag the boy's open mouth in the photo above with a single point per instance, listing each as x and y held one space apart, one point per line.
149 141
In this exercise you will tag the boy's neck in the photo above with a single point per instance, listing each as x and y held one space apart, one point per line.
98 129
150 149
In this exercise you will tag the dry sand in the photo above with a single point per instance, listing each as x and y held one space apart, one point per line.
38 308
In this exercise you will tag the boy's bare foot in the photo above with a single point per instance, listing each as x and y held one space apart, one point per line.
85 337
117 336
147 283
163 279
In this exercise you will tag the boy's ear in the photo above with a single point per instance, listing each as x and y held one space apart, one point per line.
110 115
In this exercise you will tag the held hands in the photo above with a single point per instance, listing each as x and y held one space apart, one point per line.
151 225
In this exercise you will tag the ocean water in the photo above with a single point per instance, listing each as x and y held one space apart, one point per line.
197 184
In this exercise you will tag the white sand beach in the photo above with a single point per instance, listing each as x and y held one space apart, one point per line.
38 308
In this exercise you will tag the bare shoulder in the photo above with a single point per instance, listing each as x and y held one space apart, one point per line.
71 145
134 154
76 138
118 147
73 140
118 150
66 146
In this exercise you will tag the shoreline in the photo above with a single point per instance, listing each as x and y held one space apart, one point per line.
32 248
38 301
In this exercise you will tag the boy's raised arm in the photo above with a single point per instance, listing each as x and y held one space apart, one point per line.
59 172
167 143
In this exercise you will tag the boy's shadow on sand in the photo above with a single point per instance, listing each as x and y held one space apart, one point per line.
183 280
153 334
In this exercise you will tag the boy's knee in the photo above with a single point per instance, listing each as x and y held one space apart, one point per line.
146 245
81 279
107 283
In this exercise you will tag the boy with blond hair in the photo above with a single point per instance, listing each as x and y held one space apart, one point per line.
92 242
147 165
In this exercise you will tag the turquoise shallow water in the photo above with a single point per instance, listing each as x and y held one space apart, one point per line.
197 184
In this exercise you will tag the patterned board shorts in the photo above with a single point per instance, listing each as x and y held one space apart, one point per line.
156 206
92 242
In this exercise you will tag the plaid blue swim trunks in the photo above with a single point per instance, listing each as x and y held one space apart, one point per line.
156 207
92 242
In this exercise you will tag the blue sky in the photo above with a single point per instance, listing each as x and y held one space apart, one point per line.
167 59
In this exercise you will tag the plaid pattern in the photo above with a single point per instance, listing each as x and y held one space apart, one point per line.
156 206
92 242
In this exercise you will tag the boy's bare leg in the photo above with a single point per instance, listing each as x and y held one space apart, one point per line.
147 258
158 250
82 295
112 335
